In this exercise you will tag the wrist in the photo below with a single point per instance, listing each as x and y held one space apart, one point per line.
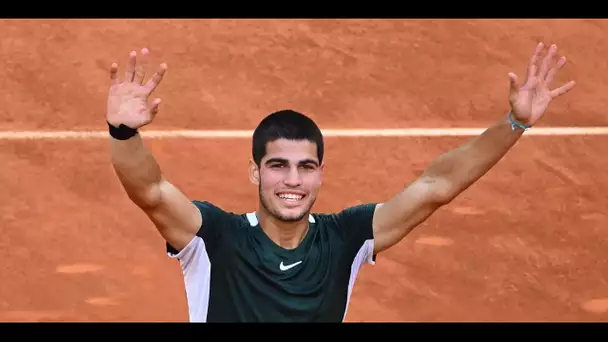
515 124
121 132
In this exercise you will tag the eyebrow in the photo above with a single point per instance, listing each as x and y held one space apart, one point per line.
285 161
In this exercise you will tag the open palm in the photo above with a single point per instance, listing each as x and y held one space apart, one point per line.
128 100
530 100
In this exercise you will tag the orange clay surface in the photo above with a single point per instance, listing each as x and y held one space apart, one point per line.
525 243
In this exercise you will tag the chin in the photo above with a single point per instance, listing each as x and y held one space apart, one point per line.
289 213
287 209
290 216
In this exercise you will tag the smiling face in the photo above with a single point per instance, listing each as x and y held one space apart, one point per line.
289 177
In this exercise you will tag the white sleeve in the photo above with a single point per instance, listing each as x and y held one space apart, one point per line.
196 268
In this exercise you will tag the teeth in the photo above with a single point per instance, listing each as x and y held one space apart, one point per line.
291 197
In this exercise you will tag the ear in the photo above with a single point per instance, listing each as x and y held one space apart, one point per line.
254 173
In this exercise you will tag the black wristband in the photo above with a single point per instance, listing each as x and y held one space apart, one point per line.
121 132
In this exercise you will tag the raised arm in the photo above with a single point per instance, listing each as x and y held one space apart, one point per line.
453 172
174 215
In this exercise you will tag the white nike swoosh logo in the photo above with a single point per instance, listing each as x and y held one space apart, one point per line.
286 267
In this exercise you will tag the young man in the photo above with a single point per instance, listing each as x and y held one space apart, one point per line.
283 263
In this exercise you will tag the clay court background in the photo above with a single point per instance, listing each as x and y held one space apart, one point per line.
528 242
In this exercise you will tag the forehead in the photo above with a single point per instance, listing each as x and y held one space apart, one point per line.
292 150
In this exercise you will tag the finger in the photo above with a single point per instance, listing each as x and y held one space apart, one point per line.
140 68
544 67
156 78
533 60
130 72
513 81
557 67
563 89
113 71
154 106
513 86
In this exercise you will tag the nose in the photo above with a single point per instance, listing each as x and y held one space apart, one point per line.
293 177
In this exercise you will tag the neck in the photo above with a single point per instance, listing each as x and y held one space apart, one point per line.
288 235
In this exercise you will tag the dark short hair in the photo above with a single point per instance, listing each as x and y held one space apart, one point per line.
285 124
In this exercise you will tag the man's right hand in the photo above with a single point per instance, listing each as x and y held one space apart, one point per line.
128 100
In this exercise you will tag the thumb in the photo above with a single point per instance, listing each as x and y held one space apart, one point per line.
513 86
154 107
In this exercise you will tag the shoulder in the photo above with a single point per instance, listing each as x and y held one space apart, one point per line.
348 215
215 217
357 218
206 206
209 208
218 226
353 229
